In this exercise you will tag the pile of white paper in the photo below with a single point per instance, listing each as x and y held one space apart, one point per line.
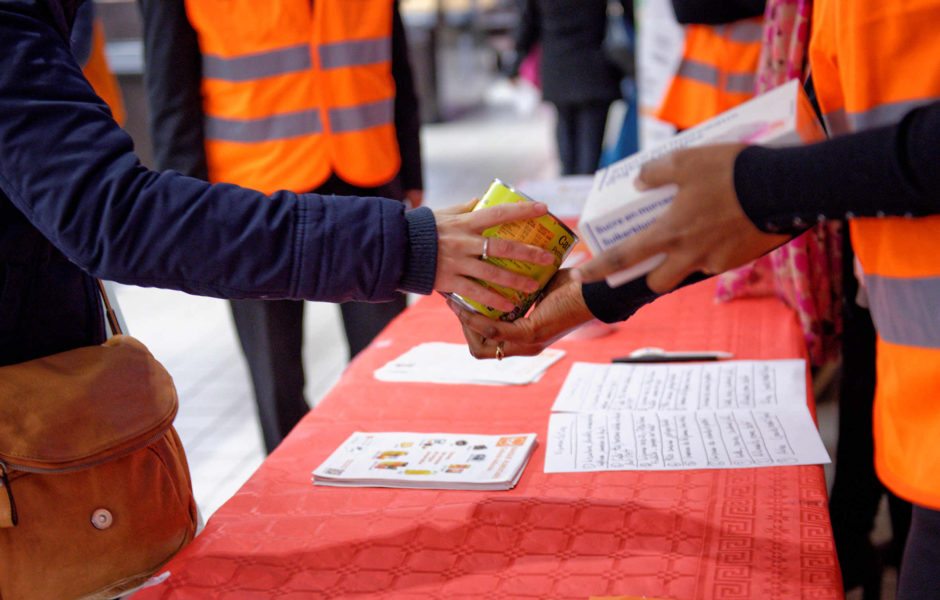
446 461
439 362
706 415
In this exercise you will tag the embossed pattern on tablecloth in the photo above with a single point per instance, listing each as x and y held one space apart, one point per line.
682 535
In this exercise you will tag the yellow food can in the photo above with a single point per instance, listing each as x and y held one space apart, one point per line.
546 232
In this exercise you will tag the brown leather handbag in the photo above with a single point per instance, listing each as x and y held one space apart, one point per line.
95 493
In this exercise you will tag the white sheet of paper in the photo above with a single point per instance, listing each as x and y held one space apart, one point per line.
440 362
726 414
564 196
709 385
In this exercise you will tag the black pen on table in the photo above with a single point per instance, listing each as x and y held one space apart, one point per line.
658 355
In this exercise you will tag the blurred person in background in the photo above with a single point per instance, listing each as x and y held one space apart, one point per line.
575 75
720 58
88 46
311 97
76 204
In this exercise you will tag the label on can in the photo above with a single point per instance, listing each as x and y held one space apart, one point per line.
546 232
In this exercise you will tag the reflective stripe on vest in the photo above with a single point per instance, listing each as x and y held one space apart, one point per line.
872 62
364 116
352 118
904 310
294 91
840 122
717 72
746 31
742 83
264 129
354 53
295 58
256 66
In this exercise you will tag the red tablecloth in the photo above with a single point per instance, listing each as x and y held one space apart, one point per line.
737 533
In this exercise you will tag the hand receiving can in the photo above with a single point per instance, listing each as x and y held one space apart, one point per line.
546 232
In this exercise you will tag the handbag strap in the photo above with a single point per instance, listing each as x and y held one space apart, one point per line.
109 313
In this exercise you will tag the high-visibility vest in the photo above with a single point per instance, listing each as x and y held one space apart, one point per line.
872 62
717 72
294 91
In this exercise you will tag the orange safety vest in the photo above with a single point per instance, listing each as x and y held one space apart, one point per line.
294 91
717 72
99 75
872 62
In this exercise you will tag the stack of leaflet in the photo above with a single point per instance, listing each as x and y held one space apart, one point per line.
440 461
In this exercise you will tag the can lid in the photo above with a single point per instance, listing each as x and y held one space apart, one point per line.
512 189
497 180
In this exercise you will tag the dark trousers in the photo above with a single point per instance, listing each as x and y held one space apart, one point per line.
920 570
365 320
271 337
580 133
856 490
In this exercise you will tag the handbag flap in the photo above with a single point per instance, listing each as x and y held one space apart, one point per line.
83 406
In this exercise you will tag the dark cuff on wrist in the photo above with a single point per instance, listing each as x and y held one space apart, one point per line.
611 305
421 253
618 304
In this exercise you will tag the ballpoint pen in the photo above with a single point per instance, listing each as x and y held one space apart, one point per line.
653 355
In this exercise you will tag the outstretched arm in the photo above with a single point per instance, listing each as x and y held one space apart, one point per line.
735 203
703 230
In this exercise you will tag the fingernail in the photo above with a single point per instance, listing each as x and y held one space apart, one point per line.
577 275
548 258
641 185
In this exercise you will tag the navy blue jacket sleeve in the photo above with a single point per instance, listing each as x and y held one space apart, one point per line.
72 172
83 33
884 171
887 171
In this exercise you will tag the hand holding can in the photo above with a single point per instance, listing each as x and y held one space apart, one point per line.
461 242
545 231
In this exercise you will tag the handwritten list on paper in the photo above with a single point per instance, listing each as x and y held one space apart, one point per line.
727 414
